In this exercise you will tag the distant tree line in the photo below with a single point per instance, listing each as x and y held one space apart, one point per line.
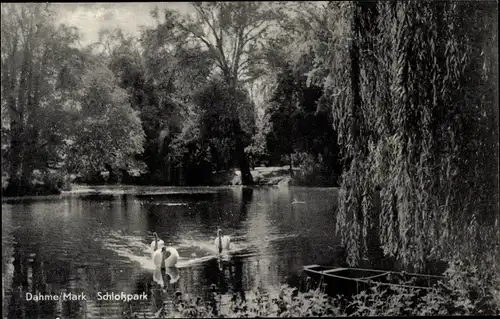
170 107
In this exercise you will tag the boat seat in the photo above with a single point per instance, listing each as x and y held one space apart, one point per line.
311 266
375 276
334 270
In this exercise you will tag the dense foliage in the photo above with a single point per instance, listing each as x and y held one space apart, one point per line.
410 85
302 130
53 98
451 297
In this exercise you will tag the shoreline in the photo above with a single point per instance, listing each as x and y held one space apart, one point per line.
273 176
117 189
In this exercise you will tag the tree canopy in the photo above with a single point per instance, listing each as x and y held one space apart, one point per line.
50 97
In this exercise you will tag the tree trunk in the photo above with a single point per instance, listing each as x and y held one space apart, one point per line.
20 171
112 178
246 175
18 185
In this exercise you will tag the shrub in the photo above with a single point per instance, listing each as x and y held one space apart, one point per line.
312 171
461 293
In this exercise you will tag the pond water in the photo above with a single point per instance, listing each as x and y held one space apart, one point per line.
91 242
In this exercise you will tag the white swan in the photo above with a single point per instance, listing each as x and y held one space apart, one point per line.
165 257
222 242
157 243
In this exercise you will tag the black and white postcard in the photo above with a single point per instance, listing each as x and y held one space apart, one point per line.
250 159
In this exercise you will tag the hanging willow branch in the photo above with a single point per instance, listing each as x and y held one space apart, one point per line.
410 119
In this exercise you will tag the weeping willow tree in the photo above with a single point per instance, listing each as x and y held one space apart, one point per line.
412 88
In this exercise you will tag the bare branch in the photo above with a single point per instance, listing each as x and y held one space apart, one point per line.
218 40
239 47
209 45
244 64
250 31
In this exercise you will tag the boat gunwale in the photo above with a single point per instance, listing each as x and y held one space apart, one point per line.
367 280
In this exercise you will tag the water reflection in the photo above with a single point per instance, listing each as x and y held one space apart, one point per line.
164 277
91 243
246 199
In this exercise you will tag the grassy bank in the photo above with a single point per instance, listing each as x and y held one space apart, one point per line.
275 176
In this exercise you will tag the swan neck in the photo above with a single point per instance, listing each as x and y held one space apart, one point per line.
220 243
172 259
173 252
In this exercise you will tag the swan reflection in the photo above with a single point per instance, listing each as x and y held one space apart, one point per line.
167 274
222 243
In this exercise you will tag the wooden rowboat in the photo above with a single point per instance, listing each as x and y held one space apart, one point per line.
348 281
